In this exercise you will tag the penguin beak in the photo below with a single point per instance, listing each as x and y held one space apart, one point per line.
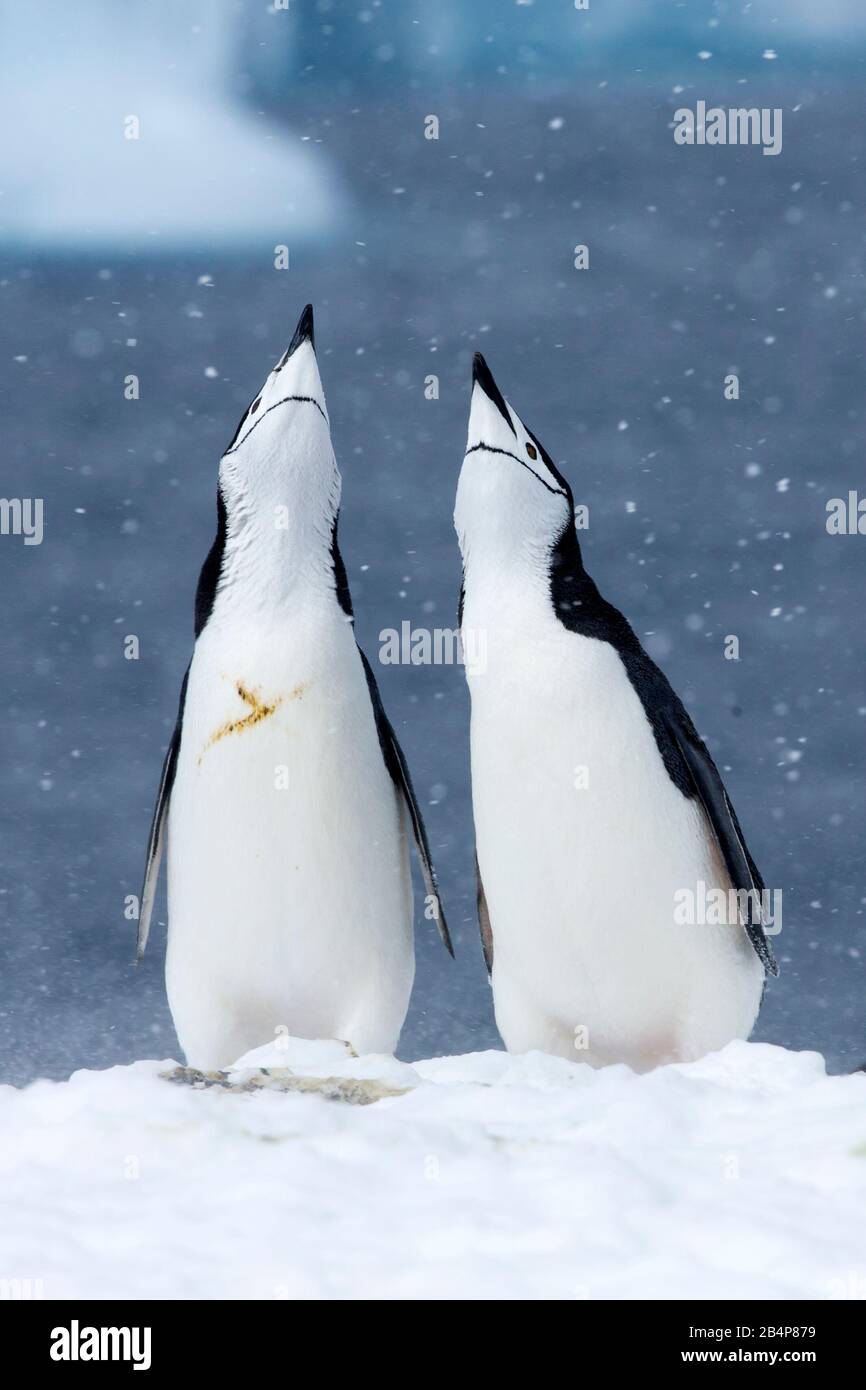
294 378
489 413
488 408
303 334
297 372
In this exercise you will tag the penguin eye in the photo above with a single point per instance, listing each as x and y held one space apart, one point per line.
532 451
255 405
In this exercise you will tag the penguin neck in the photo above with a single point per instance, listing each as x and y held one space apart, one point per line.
529 582
572 591
277 556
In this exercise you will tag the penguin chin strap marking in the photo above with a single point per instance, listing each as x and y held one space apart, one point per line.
492 449
312 401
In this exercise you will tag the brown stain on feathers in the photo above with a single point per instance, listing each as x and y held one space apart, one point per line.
259 710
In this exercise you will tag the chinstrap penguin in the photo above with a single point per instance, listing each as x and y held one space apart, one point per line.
595 801
285 801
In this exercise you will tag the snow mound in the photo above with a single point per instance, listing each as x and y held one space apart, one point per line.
483 1176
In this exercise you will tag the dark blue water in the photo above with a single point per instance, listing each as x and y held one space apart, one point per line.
707 517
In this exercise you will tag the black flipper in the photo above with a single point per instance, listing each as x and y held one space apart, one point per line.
484 920
726 828
581 608
157 829
399 772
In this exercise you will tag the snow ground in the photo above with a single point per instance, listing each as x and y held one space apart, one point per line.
743 1175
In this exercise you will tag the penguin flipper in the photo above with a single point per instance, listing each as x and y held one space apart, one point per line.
484 920
723 819
156 839
398 768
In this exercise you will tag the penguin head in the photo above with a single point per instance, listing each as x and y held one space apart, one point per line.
281 451
511 497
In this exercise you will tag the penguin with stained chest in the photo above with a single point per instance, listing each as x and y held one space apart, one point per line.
285 802
597 806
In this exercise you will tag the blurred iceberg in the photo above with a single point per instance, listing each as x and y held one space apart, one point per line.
204 171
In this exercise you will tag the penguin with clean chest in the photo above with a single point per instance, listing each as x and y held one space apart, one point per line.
595 801
285 802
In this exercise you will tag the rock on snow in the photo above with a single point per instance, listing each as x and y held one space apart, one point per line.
481 1176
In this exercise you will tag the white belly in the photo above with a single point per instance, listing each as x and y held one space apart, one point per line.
290 897
583 842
